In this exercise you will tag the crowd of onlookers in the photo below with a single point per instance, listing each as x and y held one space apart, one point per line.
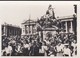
34 46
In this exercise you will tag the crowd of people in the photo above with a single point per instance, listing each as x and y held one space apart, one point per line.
34 46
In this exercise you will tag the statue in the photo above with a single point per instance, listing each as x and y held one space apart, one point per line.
48 20
50 12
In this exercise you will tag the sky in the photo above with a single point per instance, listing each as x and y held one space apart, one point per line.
15 12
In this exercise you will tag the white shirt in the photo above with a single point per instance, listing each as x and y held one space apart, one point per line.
47 42
75 47
60 47
44 48
67 51
8 49
26 45
19 48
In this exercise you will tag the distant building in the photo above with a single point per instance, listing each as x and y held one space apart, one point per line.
10 30
68 24
28 28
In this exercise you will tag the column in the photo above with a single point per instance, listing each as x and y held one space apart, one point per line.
29 29
71 27
32 29
6 33
4 30
13 31
10 31
24 29
66 27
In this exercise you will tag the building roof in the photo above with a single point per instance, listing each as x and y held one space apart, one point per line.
28 22
66 17
5 24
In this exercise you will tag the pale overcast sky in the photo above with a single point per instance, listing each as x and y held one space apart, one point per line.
16 12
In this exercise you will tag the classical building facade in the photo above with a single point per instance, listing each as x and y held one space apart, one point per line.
68 24
10 30
28 27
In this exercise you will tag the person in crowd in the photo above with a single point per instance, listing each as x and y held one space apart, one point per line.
71 49
8 50
52 50
31 43
74 44
34 46
44 48
26 48
66 50
5 42
47 41
14 49
34 49
18 49
59 48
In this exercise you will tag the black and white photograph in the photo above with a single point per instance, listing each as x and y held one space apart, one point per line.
38 28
